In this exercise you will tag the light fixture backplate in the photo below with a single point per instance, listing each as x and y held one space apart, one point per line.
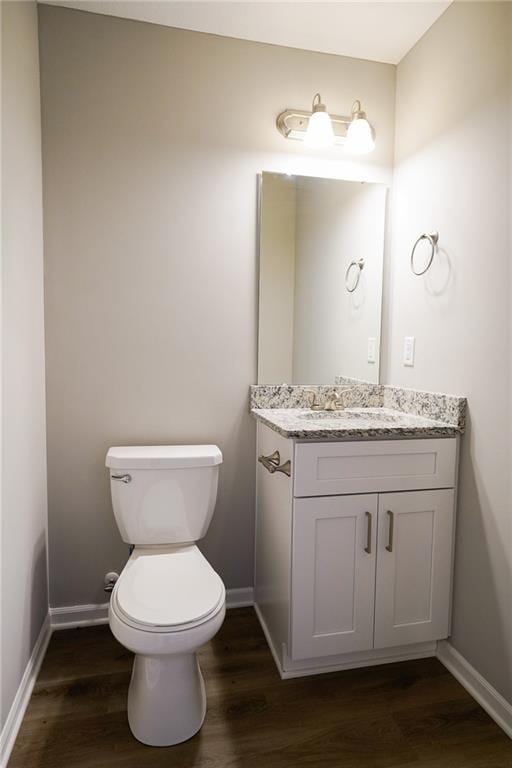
293 124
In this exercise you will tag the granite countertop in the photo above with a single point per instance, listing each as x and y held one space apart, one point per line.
372 411
351 423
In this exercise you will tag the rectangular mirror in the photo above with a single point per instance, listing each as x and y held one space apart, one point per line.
321 265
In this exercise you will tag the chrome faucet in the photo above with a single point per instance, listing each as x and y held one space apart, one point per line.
333 401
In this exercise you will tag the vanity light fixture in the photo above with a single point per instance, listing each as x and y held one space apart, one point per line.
319 129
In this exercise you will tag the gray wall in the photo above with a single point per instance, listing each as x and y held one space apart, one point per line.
152 139
453 173
24 570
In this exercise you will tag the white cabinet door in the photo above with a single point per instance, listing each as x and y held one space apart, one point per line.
333 575
414 557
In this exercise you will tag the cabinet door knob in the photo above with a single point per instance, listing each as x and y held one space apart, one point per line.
368 548
389 546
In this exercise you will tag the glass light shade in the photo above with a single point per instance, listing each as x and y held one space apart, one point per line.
319 132
359 137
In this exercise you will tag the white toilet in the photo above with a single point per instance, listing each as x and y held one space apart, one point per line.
168 600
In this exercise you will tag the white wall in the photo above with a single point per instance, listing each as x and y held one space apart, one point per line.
152 141
337 224
453 173
23 570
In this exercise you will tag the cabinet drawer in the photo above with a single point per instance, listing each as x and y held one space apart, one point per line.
325 469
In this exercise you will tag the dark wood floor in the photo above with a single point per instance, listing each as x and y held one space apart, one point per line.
412 714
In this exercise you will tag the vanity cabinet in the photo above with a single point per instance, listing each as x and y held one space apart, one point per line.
370 571
354 550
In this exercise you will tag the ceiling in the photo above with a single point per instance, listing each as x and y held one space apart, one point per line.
379 31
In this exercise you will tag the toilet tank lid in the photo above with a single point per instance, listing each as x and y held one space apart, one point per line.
163 456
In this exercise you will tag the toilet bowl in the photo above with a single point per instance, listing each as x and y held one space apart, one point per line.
168 600
165 605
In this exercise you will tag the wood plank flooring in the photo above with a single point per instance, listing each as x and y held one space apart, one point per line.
409 715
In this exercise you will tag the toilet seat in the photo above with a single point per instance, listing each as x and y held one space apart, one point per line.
167 590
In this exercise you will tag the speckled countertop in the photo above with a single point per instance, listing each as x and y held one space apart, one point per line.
373 411
352 423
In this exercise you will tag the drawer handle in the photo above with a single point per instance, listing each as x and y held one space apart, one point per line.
273 464
389 546
368 548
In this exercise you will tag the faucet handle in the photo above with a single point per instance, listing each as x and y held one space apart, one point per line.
342 397
314 404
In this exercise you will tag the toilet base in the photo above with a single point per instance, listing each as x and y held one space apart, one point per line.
166 699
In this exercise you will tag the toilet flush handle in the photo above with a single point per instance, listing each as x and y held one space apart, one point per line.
122 478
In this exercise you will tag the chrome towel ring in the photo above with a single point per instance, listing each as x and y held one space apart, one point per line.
359 266
433 238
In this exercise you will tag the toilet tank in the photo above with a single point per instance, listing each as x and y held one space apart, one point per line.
163 494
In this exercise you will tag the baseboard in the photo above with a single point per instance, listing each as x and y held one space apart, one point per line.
358 660
71 616
268 638
239 598
289 669
476 685
24 692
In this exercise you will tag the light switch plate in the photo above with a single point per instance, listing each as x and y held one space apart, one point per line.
409 342
372 349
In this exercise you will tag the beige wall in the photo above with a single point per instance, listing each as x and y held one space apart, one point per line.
23 572
453 144
152 141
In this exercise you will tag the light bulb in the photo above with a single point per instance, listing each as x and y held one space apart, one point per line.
319 132
359 139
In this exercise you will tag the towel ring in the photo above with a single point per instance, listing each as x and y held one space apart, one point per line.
433 238
359 264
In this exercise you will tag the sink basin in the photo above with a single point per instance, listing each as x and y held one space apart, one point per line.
374 415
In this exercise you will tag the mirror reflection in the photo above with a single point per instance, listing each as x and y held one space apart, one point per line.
321 264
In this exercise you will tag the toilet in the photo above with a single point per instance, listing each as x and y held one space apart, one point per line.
168 600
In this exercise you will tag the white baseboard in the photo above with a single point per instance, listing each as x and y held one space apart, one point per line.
70 616
288 669
358 660
268 638
23 694
239 598
476 685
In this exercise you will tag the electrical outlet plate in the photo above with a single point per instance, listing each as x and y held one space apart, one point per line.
409 343
372 349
